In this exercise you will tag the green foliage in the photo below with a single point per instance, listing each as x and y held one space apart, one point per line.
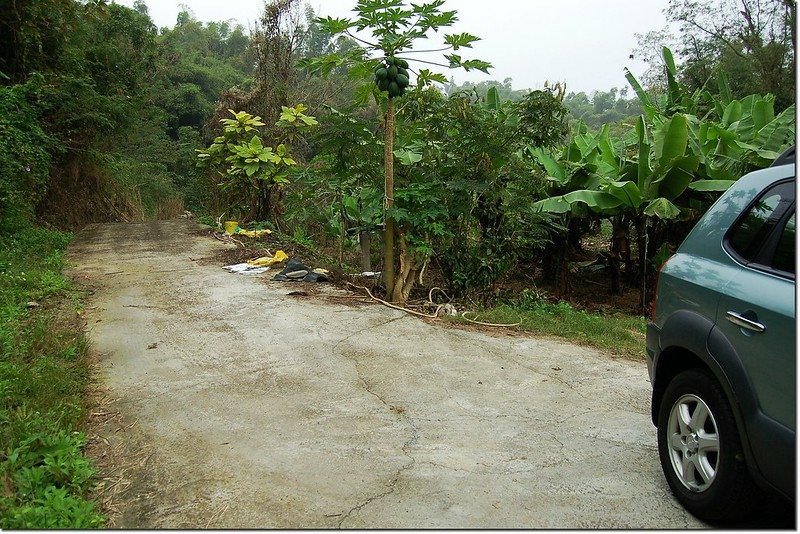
43 375
602 107
24 155
395 29
504 89
666 167
199 63
752 41
618 334
240 154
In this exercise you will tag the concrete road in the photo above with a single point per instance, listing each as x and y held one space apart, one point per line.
262 410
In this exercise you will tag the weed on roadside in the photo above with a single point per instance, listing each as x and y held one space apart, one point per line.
619 334
43 377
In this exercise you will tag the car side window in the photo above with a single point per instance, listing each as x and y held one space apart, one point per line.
784 259
750 233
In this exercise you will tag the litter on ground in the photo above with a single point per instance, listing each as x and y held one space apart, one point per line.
268 261
245 268
297 272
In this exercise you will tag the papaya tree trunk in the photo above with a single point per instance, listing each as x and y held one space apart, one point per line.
388 240
409 269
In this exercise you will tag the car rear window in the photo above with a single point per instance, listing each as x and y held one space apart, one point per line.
752 230
784 259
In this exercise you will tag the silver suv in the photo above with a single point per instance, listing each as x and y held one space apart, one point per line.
721 350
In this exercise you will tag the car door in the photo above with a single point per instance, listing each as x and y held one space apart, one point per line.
757 316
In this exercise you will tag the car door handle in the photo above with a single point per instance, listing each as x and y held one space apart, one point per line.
744 322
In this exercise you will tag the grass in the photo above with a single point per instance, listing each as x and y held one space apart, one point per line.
619 334
43 379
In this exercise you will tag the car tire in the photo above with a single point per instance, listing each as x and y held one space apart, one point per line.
700 449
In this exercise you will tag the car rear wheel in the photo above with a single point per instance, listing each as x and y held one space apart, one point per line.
700 449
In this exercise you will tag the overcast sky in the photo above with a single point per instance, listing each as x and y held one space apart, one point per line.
585 43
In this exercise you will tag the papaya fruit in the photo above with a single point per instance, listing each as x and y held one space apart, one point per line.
402 81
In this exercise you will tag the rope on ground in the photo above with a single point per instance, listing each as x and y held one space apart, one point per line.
464 316
396 307
430 294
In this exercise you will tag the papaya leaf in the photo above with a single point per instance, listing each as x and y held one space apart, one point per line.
334 26
460 40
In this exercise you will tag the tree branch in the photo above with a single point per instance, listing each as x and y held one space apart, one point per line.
362 41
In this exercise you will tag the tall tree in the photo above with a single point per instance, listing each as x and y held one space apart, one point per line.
753 41
395 28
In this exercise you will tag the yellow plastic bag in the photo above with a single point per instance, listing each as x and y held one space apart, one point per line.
266 261
253 233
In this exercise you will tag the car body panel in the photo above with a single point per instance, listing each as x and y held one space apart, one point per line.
697 288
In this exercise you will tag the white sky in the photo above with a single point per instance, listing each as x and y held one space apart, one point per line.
585 43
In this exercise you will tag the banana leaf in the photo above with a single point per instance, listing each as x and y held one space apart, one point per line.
711 186
627 192
779 132
554 170
662 208
552 205
597 200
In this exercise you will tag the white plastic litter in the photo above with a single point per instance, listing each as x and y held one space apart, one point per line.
245 268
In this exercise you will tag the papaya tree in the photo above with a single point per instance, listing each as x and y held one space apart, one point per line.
395 27
465 181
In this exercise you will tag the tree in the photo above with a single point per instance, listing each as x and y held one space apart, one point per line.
751 40
241 156
395 27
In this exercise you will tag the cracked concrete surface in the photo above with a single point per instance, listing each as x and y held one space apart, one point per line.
265 411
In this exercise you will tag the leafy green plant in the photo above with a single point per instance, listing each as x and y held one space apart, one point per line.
248 164
24 155
395 29
43 375
660 170
616 333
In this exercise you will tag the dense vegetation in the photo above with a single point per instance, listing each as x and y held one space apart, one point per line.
484 190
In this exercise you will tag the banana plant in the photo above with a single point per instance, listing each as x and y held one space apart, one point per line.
746 135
